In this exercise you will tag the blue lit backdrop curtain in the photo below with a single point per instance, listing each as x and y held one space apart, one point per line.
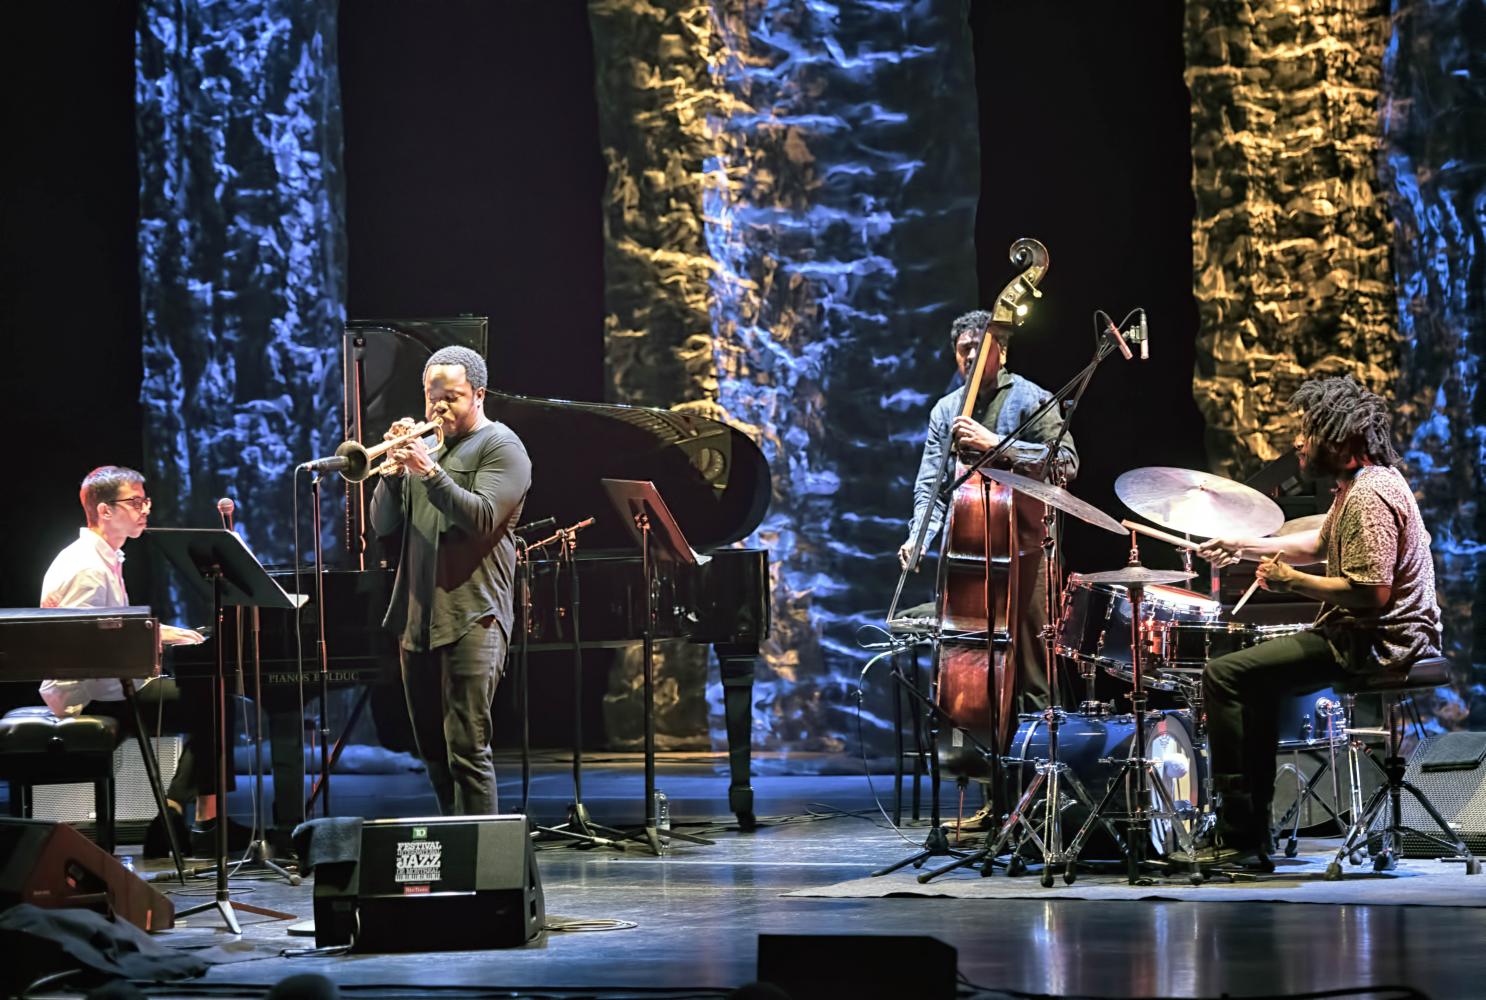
789 233
1433 169
242 256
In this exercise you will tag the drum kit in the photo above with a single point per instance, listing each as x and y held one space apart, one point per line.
1138 776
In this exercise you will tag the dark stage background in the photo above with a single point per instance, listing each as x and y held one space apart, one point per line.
473 182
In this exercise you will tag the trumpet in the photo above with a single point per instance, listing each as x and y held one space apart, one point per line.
359 457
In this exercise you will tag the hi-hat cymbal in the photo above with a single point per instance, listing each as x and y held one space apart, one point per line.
1056 496
1294 526
1198 503
1131 576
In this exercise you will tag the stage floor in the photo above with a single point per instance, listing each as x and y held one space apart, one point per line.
698 913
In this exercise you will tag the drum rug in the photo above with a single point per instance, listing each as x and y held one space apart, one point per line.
1416 882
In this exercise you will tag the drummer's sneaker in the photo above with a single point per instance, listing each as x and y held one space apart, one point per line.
1227 847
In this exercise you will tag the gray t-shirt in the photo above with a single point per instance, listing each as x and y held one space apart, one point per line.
1374 536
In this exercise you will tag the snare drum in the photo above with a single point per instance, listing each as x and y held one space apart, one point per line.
1182 645
1096 618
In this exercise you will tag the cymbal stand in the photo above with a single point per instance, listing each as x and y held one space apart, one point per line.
578 828
1139 816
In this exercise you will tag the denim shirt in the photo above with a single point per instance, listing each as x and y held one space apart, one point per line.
1000 410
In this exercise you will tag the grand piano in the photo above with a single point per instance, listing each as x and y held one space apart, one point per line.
713 479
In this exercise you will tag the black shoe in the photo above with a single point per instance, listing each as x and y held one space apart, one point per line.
204 838
157 843
1226 847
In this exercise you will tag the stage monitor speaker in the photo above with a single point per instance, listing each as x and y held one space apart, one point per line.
863 967
455 883
1450 769
51 865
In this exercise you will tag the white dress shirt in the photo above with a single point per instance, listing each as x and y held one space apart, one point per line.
89 573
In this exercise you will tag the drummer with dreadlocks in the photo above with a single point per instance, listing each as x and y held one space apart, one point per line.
1377 595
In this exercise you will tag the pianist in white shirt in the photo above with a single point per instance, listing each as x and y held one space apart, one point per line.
89 573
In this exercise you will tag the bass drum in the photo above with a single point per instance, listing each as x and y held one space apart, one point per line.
1084 742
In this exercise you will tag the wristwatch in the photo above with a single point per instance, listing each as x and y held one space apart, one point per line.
432 472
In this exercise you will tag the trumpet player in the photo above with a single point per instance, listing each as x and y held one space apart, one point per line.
451 601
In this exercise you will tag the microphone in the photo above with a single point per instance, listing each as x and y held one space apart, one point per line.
530 526
1145 339
225 507
332 463
1119 340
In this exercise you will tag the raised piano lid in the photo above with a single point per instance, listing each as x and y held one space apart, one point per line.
714 479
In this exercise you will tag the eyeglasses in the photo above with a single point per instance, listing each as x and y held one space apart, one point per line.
138 504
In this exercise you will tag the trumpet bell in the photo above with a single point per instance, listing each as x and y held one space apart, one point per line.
358 461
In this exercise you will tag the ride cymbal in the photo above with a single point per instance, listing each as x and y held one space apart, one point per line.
1198 503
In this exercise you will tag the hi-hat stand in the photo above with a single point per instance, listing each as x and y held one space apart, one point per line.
578 828
216 562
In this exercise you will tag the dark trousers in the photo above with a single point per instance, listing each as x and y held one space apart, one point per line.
1242 693
1031 654
187 710
449 691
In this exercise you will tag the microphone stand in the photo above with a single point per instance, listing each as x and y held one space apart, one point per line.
579 828
936 842
323 784
258 853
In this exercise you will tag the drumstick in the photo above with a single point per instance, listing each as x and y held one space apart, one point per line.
1154 533
1246 595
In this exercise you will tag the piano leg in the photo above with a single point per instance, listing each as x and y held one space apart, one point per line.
736 665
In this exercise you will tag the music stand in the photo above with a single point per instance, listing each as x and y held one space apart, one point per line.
219 566
659 536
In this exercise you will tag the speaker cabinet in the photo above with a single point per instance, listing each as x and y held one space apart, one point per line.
864 967
51 865
1450 769
457 883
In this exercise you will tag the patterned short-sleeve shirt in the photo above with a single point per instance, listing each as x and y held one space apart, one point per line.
1374 536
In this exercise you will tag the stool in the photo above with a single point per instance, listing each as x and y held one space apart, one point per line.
37 748
1423 674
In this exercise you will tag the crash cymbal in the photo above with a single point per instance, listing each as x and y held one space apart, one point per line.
1198 503
1056 496
1131 576
1311 522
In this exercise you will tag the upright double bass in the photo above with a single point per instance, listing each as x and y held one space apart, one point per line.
979 586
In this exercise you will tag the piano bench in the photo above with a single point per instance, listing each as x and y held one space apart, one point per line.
37 748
